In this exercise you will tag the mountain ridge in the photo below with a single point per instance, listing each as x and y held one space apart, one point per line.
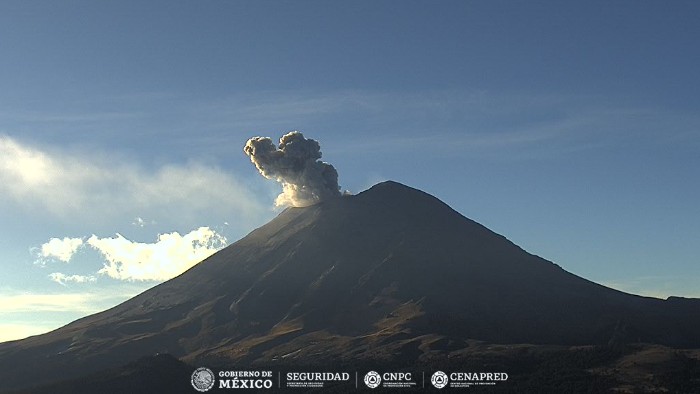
391 273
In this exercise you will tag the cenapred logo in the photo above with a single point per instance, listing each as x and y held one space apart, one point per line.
439 379
373 379
203 379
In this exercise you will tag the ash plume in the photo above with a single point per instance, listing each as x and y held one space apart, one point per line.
296 164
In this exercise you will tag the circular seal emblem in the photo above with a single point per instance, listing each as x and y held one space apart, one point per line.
203 379
439 379
373 379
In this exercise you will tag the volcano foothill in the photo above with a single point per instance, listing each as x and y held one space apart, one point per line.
391 275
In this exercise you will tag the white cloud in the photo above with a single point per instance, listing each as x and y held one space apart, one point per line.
170 256
140 222
61 249
73 186
64 279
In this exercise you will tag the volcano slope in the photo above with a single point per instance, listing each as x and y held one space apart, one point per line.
389 275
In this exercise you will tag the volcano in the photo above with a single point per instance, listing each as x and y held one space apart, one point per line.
391 274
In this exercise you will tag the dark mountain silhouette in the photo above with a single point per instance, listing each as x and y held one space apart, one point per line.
391 274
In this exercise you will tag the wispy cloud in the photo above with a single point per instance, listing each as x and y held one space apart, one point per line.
35 303
71 186
24 314
64 279
26 116
282 108
140 222
453 121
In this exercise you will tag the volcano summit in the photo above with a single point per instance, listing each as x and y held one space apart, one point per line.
390 275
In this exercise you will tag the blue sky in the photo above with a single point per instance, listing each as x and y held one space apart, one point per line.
572 128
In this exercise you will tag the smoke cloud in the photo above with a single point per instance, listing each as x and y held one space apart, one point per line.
296 164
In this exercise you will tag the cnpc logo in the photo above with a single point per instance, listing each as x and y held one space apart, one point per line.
388 379
373 379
